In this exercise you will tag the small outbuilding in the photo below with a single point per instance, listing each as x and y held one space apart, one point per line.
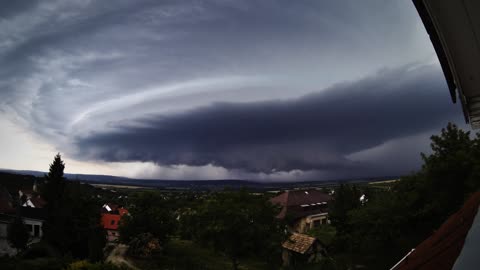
300 249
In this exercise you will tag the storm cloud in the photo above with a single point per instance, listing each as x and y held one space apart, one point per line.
314 132
223 89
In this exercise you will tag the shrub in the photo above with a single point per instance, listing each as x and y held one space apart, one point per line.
144 245
85 265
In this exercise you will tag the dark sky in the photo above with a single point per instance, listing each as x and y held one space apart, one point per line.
267 90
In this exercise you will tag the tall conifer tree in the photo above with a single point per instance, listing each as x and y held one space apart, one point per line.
54 183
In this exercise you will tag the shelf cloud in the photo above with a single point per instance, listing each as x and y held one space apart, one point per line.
313 132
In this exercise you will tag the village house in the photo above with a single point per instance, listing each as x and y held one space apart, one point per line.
31 210
31 197
303 209
33 218
111 215
34 202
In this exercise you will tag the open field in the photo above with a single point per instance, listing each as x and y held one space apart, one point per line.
119 186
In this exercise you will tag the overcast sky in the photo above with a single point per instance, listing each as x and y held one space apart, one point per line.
266 90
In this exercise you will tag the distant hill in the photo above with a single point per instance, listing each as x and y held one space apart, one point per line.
71 176
200 184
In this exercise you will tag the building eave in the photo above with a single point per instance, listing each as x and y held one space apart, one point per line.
455 34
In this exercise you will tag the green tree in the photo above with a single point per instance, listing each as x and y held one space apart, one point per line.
73 218
239 225
84 236
53 192
325 233
448 168
54 187
346 198
17 234
149 212
397 219
143 245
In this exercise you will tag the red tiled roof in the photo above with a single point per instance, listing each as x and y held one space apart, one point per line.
293 200
111 221
299 243
441 250
299 197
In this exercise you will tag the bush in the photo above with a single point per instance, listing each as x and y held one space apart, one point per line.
144 245
40 250
85 265
325 233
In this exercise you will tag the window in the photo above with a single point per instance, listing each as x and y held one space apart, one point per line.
112 222
29 228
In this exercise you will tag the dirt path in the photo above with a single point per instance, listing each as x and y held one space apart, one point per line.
117 257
